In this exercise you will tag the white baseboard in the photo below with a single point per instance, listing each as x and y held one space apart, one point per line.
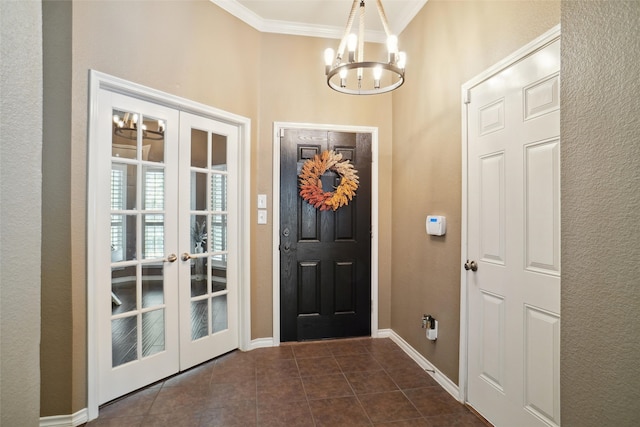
451 387
384 333
261 343
73 420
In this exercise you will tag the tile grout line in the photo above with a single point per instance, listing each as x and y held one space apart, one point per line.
354 392
306 395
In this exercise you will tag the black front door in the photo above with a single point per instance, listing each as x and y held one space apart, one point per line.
325 256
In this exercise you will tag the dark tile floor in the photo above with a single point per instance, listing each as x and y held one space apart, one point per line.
355 382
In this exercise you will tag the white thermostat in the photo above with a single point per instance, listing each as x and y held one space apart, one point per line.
436 225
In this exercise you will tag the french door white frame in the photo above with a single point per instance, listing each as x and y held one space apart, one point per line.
278 127
546 38
100 81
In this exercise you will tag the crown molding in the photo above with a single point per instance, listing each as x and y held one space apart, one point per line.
312 30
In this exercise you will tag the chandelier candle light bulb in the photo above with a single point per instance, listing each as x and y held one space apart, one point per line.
390 72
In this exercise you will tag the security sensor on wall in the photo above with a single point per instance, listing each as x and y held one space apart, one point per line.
436 225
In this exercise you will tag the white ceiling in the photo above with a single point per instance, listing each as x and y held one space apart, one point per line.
320 18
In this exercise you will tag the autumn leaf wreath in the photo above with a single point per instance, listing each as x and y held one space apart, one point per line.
311 184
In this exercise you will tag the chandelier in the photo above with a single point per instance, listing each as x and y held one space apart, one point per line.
127 127
355 76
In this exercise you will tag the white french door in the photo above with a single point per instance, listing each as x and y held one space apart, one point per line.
166 239
513 246
208 236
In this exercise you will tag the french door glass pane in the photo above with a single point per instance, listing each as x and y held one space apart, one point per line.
153 194
198 234
123 186
198 148
152 284
218 152
123 289
218 232
152 332
218 272
219 313
125 134
199 316
153 236
123 237
124 340
198 191
153 140
218 192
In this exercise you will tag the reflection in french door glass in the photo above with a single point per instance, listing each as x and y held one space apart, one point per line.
198 191
123 289
123 238
152 284
153 139
124 340
152 332
123 186
153 194
219 313
198 248
198 234
218 272
218 232
199 317
199 278
152 236
198 148
125 134
218 152
218 192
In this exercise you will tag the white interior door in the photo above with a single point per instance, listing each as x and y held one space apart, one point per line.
209 239
513 239
166 239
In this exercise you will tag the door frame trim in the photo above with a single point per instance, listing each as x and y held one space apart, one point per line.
528 49
278 127
101 81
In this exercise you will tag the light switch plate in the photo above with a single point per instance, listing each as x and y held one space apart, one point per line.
262 216
262 201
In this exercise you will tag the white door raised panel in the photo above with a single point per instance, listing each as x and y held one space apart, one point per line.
513 183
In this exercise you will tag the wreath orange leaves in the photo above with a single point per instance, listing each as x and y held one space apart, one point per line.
311 184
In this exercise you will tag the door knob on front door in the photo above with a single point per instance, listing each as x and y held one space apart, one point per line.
186 256
171 258
471 265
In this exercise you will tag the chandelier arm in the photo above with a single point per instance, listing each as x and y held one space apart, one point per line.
383 17
347 30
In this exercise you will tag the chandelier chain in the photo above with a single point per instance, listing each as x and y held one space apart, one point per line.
383 18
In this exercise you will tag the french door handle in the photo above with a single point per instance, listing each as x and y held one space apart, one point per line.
171 258
186 256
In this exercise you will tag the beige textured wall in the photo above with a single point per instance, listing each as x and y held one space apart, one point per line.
20 211
57 369
600 101
448 43
293 89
